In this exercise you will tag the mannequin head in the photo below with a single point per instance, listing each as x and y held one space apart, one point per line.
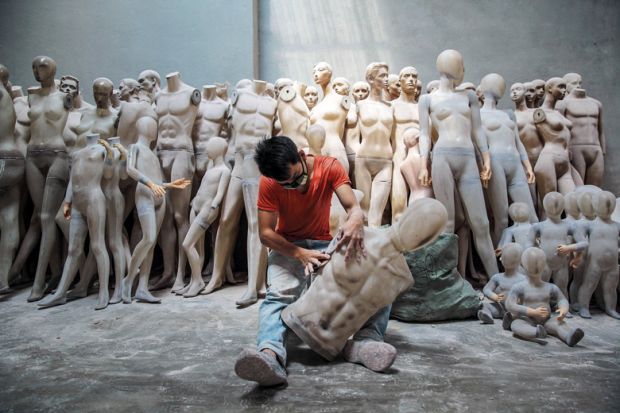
44 70
361 90
573 81
553 203
586 205
69 85
311 97
418 89
534 262
270 90
511 256
216 147
4 77
466 86
280 83
221 89
605 204
322 74
115 99
244 84
493 86
432 86
571 204
530 94
539 86
406 233
150 81
450 64
341 86
377 75
102 92
408 78
92 139
411 137
316 138
519 212
393 86
146 126
555 87
517 92
129 88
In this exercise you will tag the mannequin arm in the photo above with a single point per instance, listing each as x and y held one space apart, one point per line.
135 174
601 132
512 303
425 139
557 296
221 189
489 290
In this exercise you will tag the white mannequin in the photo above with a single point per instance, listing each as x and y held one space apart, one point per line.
293 114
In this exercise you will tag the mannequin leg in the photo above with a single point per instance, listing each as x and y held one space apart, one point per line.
444 187
527 329
142 292
96 217
561 330
183 167
591 278
519 190
36 185
9 233
167 241
594 172
560 278
489 311
114 224
87 268
398 195
498 199
380 193
363 179
192 240
546 180
578 160
609 284
566 184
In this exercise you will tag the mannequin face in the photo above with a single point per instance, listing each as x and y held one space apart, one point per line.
147 82
518 212
553 204
558 90
43 69
534 262
311 96
341 86
69 86
517 92
539 86
378 80
128 88
450 64
322 74
102 93
361 90
408 81
530 92
573 81
605 204
586 205
418 89
393 85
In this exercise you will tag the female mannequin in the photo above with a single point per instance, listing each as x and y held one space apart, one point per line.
456 116
507 156
410 167
293 114
311 97
361 90
373 172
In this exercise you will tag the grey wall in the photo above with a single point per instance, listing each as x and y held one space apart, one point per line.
520 39
207 41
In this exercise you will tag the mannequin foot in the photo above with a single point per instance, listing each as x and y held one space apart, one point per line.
146 296
575 337
78 292
212 286
35 295
179 284
53 300
569 315
5 289
613 313
507 321
164 282
194 289
126 290
249 298
117 296
374 355
584 313
103 301
485 318
181 291
540 331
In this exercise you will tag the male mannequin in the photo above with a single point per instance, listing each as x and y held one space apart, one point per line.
530 95
393 87
129 90
150 82
71 86
100 119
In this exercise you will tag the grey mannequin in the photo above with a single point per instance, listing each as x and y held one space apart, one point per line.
177 108
520 230
150 85
293 114
71 86
129 90
454 159
496 290
22 130
539 88
373 161
85 206
406 116
252 119
12 165
311 97
601 268
587 145
530 95
580 213
529 303
143 166
508 157
205 210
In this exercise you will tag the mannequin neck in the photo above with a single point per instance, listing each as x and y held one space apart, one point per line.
578 93
173 81
376 94
520 105
489 102
445 84
549 102
92 140
209 93
407 97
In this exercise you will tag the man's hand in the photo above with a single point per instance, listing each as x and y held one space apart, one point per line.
540 312
352 234
310 259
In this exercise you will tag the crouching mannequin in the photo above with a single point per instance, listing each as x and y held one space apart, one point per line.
342 298
529 303
85 206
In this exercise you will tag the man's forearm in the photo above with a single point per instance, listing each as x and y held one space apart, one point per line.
277 242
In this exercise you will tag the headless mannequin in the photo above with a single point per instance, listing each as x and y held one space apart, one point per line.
553 172
293 114
500 284
331 113
373 161
252 120
529 303
143 166
539 92
587 144
85 206
406 118
455 116
519 231
205 210
508 157
311 97
602 263
177 108
12 165
393 88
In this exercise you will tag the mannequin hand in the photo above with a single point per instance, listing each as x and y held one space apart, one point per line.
540 312
424 178
310 259
531 177
564 249
180 183
352 234
122 150
108 148
498 251
158 190
576 260
485 176
498 298
561 314
66 210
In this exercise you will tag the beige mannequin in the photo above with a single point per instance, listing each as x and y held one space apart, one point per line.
406 116
221 89
100 119
539 87
456 117
343 297
316 139
341 86
252 119
71 86
587 144
331 113
360 90
293 114
418 90
129 90
552 169
150 82
393 87
205 210
279 84
352 138
508 157
531 100
311 97
177 108
12 165
410 167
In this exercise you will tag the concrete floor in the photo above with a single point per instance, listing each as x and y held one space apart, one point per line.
179 356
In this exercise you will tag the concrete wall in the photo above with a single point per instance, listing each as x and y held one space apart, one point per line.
520 39
207 41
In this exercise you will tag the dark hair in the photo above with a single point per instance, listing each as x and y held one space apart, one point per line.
274 157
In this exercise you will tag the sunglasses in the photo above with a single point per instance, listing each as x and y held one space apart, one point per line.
300 180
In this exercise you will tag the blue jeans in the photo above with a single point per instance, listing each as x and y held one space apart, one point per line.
286 282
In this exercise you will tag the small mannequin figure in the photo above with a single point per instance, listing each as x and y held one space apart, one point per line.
293 114
602 263
587 144
539 88
205 209
143 166
85 206
311 97
529 303
129 90
519 231
410 167
508 157
393 87
500 284
580 213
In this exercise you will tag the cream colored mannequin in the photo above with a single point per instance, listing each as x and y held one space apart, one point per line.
12 167
511 169
530 95
129 90
100 119
205 210
352 140
293 114
177 108
150 82
360 90
252 120
553 172
85 206
279 84
587 144
222 91
331 113
406 116
418 90
456 117
539 87
432 86
410 167
393 87
311 97
373 161
341 86
343 296
316 139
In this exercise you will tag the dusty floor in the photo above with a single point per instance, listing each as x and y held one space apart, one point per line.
178 356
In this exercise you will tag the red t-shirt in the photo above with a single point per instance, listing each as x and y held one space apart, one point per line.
304 216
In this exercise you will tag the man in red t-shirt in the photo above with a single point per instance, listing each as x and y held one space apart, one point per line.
294 201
